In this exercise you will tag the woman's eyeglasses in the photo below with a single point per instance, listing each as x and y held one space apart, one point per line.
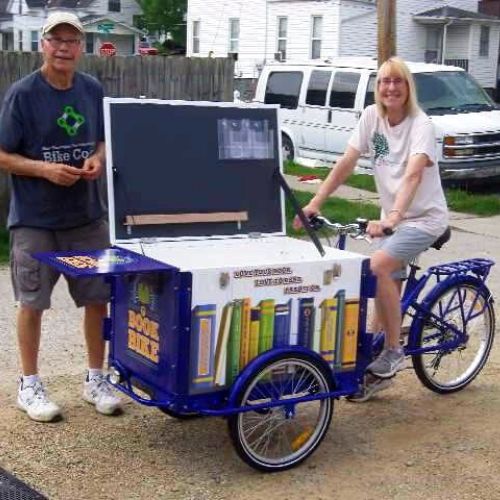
396 81
56 42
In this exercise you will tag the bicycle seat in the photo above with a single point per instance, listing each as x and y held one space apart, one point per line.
442 239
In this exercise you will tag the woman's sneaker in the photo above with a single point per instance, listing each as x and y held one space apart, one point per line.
98 391
369 388
34 401
388 363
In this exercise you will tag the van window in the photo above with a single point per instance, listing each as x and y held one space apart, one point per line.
344 88
370 91
318 85
283 88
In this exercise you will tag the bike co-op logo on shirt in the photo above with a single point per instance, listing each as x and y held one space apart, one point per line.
70 121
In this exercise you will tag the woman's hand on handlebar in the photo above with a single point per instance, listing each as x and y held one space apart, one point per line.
309 211
379 228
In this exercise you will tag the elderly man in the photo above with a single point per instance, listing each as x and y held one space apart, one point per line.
51 144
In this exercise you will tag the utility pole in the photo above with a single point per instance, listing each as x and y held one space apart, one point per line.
386 28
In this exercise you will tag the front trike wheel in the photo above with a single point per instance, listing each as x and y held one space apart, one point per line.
462 307
280 437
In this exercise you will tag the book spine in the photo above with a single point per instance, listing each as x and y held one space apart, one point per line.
245 333
202 354
282 314
233 345
351 327
221 346
339 329
305 328
254 333
328 323
266 325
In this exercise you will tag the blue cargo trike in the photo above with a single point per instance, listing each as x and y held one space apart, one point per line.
216 312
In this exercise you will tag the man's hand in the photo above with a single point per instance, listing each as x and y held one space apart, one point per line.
92 167
61 174
375 228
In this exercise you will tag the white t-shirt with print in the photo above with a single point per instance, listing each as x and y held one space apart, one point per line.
390 147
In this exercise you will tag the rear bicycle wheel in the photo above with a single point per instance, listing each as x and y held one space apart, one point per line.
468 308
281 437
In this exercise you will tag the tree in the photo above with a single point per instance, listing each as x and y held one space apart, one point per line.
164 16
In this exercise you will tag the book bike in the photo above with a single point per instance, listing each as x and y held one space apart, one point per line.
280 406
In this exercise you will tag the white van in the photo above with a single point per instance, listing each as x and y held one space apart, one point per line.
322 102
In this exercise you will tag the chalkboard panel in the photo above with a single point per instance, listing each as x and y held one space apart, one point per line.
178 158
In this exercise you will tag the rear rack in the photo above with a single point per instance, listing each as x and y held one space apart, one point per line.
479 267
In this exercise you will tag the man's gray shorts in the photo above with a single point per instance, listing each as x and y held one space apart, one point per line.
405 244
33 281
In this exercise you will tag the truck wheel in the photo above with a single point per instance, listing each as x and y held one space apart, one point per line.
287 150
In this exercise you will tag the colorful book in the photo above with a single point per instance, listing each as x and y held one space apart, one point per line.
351 327
234 343
202 346
266 325
328 324
221 345
245 332
254 333
305 335
282 324
339 329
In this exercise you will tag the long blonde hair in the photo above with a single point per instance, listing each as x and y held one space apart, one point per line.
396 66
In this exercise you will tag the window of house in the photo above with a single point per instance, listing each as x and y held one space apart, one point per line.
114 5
283 88
89 43
282 37
484 41
433 45
316 33
317 88
20 40
196 37
234 35
344 88
34 41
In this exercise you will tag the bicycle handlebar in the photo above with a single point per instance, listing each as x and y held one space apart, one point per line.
356 230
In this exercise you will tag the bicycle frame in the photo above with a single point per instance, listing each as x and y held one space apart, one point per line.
448 274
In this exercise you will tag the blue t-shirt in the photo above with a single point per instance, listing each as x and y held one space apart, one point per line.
41 122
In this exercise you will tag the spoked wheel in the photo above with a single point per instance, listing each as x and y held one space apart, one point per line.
466 307
278 438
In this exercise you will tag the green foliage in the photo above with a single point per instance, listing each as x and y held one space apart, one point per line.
164 16
478 204
335 209
4 245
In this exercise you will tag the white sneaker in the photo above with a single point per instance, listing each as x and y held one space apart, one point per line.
98 391
34 401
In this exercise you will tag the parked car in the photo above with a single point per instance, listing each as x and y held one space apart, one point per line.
321 104
145 49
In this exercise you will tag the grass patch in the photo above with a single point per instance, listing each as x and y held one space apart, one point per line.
484 205
4 246
335 209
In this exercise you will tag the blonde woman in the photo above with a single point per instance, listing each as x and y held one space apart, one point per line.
399 138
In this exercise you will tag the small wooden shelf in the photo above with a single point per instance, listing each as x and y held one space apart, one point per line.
191 218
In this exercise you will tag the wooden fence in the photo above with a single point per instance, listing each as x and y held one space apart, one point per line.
196 79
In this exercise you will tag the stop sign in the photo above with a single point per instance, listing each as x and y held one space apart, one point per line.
107 49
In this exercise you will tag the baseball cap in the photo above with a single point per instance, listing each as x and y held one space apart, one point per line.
56 18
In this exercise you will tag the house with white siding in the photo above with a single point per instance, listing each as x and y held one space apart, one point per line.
103 20
258 31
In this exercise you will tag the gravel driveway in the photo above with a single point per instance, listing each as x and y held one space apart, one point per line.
408 443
